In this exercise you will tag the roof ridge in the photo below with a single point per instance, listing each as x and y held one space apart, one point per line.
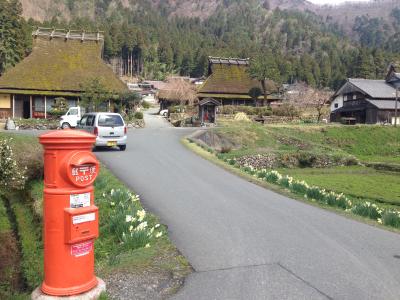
68 34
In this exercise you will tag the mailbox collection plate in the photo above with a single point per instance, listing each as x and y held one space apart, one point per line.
81 224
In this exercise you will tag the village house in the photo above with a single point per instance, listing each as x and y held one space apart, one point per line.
60 63
229 83
367 101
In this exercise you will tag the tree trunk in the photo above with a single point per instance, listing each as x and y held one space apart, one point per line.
264 87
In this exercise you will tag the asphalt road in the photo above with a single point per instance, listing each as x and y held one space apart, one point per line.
245 242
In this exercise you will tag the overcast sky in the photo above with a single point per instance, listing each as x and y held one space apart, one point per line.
333 1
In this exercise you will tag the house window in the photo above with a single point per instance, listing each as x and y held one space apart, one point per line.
38 104
336 105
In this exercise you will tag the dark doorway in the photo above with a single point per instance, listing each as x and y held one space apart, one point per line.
26 112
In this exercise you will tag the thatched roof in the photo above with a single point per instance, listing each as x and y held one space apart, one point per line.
230 76
178 90
59 65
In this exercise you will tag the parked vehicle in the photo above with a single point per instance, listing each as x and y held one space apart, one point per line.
164 112
109 128
71 118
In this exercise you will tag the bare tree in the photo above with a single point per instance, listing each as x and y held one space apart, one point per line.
306 97
180 90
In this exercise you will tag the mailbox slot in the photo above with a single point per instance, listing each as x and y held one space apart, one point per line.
81 224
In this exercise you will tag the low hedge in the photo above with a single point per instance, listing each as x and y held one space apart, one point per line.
31 245
248 110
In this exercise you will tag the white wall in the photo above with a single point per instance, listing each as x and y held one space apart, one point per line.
339 101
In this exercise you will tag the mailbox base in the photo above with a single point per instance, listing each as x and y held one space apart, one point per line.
93 294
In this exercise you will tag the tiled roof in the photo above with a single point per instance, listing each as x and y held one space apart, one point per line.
385 104
374 88
60 64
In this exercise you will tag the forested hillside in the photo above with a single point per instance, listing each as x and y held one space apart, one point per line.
162 37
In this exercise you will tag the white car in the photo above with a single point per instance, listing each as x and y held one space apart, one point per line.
109 128
71 118
164 112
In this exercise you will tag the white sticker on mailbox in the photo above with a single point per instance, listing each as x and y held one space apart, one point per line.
79 200
83 218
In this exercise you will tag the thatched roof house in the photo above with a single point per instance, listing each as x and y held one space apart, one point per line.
177 91
60 62
229 82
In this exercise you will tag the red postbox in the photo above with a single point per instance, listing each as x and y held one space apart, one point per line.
70 218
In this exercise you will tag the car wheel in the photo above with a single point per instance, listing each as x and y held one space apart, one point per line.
122 148
65 126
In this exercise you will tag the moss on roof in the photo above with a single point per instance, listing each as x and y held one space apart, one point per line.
236 96
231 79
60 65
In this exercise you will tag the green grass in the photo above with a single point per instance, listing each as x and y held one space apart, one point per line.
29 234
354 181
368 143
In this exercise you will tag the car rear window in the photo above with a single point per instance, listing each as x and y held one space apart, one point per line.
110 121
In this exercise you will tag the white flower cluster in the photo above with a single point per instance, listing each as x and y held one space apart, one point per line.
388 217
11 174
129 221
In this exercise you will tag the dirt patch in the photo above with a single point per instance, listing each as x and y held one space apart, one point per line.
149 284
214 141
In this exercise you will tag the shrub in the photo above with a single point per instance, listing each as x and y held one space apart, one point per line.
232 161
138 115
391 218
225 149
145 104
367 209
11 173
306 160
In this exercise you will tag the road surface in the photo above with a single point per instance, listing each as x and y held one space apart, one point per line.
246 242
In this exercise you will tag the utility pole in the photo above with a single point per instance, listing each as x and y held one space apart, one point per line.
395 107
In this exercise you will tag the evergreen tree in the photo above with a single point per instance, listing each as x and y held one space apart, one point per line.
15 38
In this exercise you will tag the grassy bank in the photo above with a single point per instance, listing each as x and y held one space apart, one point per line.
333 157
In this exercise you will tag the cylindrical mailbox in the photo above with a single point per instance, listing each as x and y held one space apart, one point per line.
70 218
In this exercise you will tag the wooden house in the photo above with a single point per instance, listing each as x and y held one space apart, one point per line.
229 83
367 101
60 63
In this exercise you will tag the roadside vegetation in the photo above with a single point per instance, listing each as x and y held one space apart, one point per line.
350 168
131 240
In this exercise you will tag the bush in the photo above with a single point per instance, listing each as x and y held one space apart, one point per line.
286 110
306 160
12 175
145 104
248 110
138 115
225 149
